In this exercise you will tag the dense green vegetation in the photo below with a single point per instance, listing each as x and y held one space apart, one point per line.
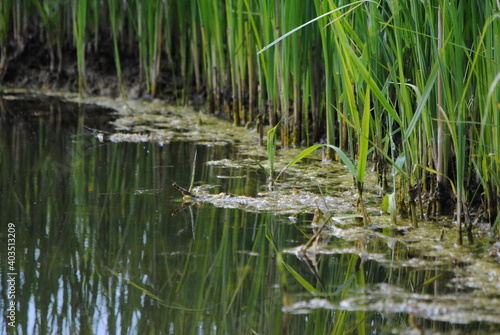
426 72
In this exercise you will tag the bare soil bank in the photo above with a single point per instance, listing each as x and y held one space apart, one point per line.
30 66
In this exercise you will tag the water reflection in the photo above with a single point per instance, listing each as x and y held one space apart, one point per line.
99 252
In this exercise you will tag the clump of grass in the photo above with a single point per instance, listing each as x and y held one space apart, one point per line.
353 58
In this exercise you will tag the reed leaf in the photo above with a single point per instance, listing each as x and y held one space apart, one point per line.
364 139
79 29
306 284
299 157
309 22
271 146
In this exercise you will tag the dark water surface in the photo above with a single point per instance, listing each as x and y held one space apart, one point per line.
98 250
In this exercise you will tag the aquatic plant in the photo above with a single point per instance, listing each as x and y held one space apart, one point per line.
80 32
271 145
350 51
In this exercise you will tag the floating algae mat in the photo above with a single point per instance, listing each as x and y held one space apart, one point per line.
418 273
100 251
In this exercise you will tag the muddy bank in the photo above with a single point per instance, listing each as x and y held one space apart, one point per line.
35 66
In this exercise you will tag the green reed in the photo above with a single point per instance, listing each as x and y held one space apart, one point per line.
79 17
13 29
5 13
116 20
50 13
183 48
356 70
233 35
212 26
148 20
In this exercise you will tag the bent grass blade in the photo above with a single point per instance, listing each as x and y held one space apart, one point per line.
311 21
149 294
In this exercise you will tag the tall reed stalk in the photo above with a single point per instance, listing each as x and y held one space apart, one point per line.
5 14
115 21
79 31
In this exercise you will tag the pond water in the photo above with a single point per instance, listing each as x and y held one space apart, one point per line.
104 244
